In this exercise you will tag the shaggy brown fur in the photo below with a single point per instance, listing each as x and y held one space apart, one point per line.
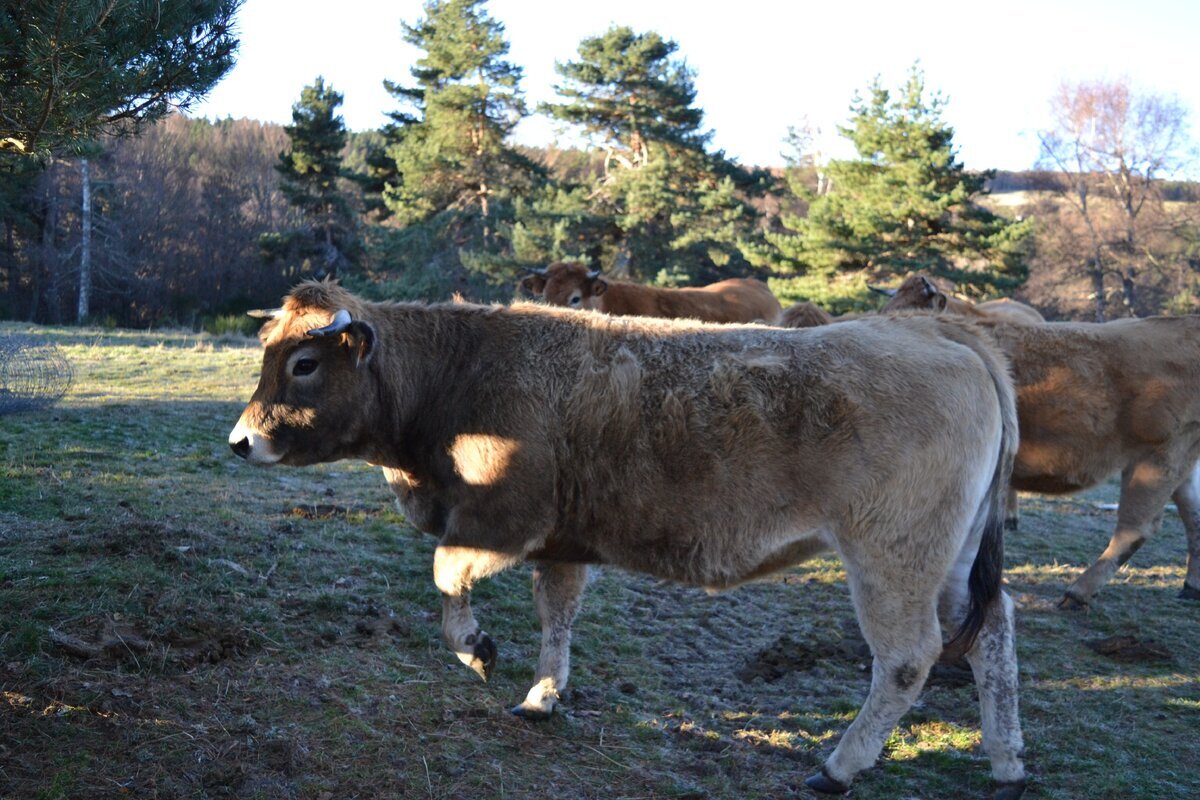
733 300
708 454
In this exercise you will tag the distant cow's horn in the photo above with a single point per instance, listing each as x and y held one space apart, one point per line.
882 291
341 321
264 313
591 276
539 271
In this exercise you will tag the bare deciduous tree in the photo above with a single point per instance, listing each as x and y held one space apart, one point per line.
1112 146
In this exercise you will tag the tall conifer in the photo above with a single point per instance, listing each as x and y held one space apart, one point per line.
310 170
906 204
677 210
449 144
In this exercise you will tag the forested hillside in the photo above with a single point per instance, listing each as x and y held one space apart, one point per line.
127 221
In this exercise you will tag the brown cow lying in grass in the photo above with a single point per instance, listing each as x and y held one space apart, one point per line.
705 454
1095 399
575 286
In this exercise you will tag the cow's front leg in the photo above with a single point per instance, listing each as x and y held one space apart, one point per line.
455 571
556 592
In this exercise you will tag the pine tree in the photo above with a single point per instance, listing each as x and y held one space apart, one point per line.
677 210
70 69
450 153
906 204
310 172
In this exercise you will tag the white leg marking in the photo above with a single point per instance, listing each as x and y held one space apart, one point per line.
993 660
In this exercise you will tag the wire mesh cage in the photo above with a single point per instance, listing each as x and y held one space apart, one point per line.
33 374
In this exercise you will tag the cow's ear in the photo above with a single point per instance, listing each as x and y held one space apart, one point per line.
599 287
534 284
360 338
939 302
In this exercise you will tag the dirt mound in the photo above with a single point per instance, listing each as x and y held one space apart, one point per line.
786 655
1130 649
119 641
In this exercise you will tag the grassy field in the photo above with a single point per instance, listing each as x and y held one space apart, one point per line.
175 623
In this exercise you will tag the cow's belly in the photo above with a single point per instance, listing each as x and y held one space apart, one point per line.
1052 468
717 559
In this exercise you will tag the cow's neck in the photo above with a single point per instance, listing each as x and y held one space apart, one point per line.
432 363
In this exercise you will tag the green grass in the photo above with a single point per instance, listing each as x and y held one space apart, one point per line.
274 634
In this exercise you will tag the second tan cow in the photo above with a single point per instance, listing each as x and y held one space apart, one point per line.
575 286
917 291
1094 399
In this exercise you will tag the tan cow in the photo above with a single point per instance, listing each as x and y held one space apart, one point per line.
575 286
917 291
1096 399
699 453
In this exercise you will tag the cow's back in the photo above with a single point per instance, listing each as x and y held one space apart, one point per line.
677 451
1012 311
732 300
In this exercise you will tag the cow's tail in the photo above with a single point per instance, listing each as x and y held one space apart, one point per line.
984 581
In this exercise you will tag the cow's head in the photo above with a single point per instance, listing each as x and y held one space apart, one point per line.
566 284
916 292
312 396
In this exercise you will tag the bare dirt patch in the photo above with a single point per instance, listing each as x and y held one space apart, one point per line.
117 641
1130 649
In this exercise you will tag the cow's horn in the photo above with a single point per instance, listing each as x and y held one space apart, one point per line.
592 275
882 291
341 321
264 313
539 271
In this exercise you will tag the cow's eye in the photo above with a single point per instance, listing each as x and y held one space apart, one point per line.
305 366
575 300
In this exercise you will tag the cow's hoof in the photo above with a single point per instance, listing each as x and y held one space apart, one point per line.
821 782
1189 593
483 657
532 714
1009 791
1072 602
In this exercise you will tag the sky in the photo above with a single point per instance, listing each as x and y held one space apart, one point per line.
760 66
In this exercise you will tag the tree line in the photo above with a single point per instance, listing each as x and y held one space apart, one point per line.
187 221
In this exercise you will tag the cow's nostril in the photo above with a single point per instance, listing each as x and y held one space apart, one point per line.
242 447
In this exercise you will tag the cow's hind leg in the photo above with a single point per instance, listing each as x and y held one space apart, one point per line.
898 617
1187 500
556 592
455 571
993 660
1145 487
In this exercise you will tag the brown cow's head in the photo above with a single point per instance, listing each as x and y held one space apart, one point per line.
566 284
916 292
309 404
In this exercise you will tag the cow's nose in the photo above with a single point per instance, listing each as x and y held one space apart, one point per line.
241 447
